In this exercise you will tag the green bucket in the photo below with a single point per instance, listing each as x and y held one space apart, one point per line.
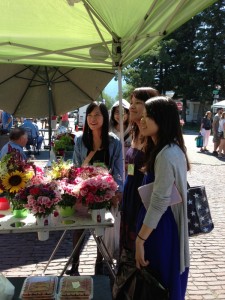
20 213
67 211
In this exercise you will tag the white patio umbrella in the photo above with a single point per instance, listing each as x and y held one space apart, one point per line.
219 104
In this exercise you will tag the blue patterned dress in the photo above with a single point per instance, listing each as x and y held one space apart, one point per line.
162 250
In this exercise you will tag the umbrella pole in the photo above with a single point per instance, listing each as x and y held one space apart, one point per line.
49 116
121 117
49 110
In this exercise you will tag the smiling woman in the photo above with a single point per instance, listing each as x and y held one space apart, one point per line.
98 147
164 225
148 126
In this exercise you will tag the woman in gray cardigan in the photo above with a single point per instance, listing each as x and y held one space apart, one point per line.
162 230
96 146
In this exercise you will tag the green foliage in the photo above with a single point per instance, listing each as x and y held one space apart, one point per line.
67 200
64 143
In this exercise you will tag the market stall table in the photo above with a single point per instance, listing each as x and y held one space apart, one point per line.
10 224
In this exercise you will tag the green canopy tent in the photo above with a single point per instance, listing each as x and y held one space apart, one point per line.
90 34
87 33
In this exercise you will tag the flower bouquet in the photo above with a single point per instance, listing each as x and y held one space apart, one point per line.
66 206
41 198
59 169
15 174
68 193
41 201
96 186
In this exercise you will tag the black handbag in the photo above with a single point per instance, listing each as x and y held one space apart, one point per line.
199 216
134 284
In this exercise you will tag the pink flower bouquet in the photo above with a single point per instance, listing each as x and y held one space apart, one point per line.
41 198
95 186
68 193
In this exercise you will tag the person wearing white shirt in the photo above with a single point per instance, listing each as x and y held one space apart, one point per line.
221 134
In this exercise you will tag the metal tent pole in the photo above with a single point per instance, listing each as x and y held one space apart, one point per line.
121 117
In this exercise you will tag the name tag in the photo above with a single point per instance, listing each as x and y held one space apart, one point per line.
130 169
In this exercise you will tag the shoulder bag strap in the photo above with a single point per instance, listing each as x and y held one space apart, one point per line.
88 158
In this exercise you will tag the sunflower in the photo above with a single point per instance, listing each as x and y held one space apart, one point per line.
14 181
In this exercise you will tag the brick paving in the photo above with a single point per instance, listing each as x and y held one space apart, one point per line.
24 255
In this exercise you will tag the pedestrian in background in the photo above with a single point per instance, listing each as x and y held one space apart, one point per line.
221 134
215 126
28 123
162 240
65 120
7 121
205 130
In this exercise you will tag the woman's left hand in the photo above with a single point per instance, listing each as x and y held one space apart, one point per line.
116 199
140 254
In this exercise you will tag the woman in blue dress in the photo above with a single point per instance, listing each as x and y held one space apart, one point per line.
162 230
134 161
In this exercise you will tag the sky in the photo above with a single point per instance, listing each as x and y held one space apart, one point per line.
112 88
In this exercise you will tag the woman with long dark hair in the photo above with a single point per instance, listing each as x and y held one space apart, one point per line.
96 146
162 230
114 122
134 162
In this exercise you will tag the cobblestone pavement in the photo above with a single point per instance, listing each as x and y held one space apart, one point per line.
207 271
24 255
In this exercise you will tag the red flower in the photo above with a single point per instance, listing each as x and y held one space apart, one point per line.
34 191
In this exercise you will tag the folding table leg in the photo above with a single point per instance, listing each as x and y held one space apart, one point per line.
54 251
74 249
104 252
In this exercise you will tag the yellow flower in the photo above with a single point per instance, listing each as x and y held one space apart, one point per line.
30 174
14 181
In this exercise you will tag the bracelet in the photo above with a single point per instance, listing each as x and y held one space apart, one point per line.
141 238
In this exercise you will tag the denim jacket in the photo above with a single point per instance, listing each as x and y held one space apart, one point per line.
115 157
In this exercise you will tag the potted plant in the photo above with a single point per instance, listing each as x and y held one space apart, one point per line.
63 142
